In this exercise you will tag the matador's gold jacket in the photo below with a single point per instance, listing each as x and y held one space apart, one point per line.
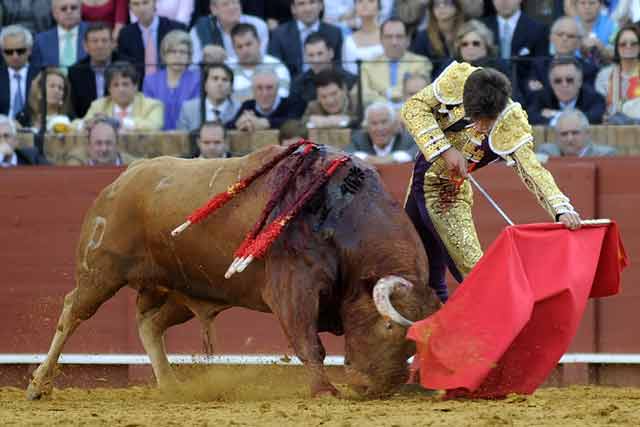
435 117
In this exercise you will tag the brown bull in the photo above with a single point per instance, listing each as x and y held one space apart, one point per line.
320 275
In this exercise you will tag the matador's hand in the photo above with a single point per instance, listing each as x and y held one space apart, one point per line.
571 220
456 163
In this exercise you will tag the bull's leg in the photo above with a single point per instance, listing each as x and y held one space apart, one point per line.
155 314
79 304
290 295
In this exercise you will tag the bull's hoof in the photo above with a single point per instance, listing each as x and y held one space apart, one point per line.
34 393
325 390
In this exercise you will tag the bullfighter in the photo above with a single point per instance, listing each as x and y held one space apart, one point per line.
461 122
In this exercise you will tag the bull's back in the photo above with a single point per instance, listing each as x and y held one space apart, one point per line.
133 217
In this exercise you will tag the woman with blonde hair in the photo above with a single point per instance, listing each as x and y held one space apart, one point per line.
474 44
176 83
58 100
437 41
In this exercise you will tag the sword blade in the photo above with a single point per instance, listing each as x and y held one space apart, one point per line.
490 199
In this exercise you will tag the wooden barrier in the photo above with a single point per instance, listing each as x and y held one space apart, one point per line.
43 209
241 143
338 138
59 148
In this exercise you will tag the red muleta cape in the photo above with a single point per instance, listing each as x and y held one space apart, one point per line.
514 316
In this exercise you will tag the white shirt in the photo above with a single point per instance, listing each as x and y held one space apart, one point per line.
61 41
242 78
261 28
14 87
128 122
512 21
563 106
210 114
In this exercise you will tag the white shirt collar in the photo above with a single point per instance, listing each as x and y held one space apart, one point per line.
512 20
275 106
220 107
22 71
117 109
154 25
62 31
311 29
381 152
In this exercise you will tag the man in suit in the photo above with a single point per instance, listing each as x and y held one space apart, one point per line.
102 146
567 92
61 46
87 76
218 103
267 109
10 154
320 56
288 39
16 74
382 140
139 42
125 102
573 139
382 77
519 38
215 29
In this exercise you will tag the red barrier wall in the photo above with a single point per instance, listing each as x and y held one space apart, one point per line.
42 209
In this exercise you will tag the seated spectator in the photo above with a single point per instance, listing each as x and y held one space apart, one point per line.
247 48
87 76
288 39
216 29
124 102
179 10
10 154
62 45
437 41
34 15
319 55
218 103
566 39
599 29
212 141
333 108
363 44
619 82
113 13
382 79
292 131
58 102
413 13
382 140
267 110
175 84
16 73
413 83
567 92
140 42
102 146
573 139
474 44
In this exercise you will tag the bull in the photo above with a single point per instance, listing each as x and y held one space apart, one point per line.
321 274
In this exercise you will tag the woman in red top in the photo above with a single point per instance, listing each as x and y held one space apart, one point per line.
112 12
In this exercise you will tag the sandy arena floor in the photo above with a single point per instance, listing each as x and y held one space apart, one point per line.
278 397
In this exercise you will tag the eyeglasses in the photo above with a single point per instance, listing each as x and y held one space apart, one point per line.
628 43
19 51
69 8
474 43
567 80
562 35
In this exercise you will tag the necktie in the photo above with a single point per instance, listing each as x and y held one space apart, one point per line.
393 72
150 55
68 52
18 100
505 42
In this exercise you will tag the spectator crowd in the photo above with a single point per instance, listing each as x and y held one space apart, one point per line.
104 67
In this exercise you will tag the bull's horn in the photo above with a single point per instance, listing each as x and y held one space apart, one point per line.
381 298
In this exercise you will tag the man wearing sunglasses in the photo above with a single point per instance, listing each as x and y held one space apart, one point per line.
16 73
62 46
463 121
567 92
